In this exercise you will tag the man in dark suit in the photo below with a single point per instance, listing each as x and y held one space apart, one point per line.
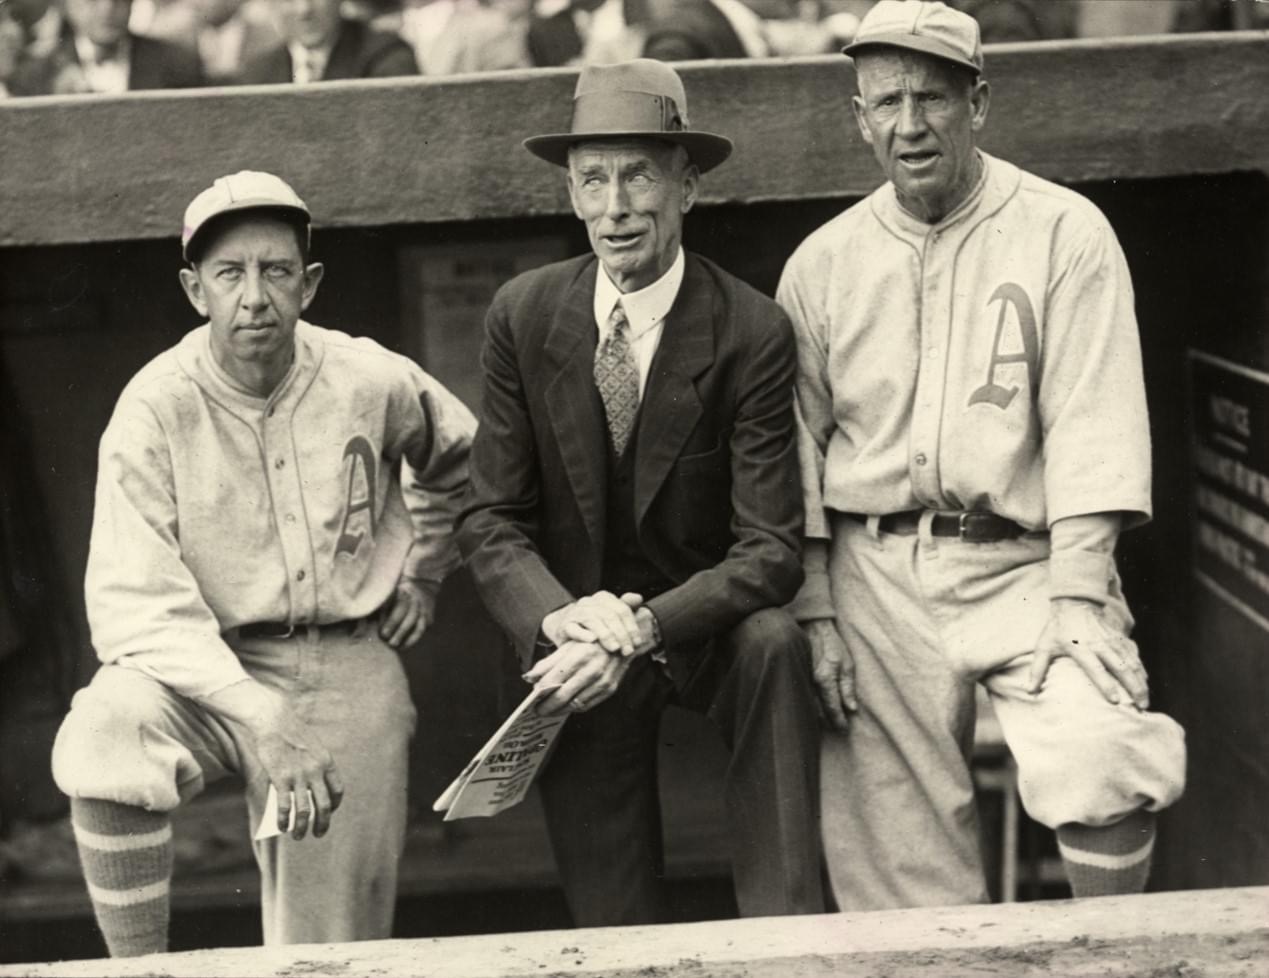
633 516
320 45
97 53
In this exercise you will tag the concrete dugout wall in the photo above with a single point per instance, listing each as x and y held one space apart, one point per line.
1170 136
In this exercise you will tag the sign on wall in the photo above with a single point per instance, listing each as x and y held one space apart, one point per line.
1230 455
447 289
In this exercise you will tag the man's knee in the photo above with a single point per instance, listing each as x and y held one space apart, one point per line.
117 744
1138 763
770 641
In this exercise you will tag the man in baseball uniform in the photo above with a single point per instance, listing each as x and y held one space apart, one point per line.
976 439
273 520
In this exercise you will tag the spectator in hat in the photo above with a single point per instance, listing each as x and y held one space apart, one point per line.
634 513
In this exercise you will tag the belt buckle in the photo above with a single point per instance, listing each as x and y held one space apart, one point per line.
965 525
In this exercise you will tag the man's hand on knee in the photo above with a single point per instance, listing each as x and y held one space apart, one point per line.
601 618
1076 629
585 673
833 669
295 761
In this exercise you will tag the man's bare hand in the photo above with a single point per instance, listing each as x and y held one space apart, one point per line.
295 761
1076 629
406 615
585 673
601 617
833 669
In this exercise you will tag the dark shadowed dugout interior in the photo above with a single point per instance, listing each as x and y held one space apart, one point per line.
425 203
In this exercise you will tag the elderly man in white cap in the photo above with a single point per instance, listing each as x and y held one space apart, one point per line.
634 514
970 379
274 515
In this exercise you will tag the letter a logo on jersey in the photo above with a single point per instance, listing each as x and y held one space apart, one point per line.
1009 296
359 456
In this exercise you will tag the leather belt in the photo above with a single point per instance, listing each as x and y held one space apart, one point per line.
972 526
285 629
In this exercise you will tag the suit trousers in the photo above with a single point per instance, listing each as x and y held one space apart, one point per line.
130 739
600 786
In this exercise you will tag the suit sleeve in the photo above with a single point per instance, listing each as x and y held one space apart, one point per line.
439 430
498 526
762 567
145 608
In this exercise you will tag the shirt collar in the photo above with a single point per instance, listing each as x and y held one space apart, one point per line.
646 307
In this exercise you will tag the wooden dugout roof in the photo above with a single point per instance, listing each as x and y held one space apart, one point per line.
371 153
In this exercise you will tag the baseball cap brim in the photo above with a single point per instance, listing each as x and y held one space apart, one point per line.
706 149
237 206
913 42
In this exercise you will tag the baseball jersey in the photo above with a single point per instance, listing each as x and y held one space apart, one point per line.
216 508
989 361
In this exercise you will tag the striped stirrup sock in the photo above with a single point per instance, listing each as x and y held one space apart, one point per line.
1108 859
126 853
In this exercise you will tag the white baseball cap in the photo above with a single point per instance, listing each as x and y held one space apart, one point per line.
921 25
244 190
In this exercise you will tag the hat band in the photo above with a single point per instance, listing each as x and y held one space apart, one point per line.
625 112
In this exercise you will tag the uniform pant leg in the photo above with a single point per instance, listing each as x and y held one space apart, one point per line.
129 739
353 693
1082 760
599 790
899 820
757 690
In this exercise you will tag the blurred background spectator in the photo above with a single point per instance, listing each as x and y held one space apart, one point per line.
453 37
1024 20
230 34
41 23
320 44
571 32
96 52
10 48
1222 15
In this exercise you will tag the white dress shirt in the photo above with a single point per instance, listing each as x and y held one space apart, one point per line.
308 64
646 310
105 76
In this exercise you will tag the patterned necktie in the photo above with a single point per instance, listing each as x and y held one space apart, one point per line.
617 378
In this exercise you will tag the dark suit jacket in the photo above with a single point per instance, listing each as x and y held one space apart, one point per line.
717 492
151 64
359 52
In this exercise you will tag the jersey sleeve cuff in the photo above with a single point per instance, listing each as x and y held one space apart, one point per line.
1083 574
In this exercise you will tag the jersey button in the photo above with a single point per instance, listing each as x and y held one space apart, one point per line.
290 517
280 463
300 576
920 458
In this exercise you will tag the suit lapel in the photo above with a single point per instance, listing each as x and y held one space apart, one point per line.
671 406
577 415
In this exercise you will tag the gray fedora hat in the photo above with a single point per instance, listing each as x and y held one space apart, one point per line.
634 99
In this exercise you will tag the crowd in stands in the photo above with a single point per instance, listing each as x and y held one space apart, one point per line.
111 46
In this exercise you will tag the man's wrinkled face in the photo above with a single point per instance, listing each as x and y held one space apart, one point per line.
632 195
311 23
920 115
